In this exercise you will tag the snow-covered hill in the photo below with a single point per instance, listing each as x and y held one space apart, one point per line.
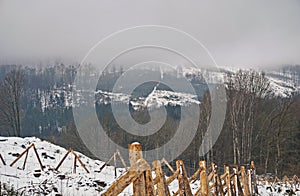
33 181
156 99
282 84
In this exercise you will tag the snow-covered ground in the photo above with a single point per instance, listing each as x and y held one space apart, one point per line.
156 99
51 182
33 181
271 189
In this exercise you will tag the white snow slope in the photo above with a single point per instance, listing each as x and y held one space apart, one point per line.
33 181
49 182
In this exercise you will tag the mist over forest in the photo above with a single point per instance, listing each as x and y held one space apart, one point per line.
261 123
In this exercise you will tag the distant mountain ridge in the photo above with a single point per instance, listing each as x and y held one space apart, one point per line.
284 82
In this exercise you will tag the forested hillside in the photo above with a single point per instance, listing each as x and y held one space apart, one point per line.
262 118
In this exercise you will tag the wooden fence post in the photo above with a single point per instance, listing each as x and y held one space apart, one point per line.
235 182
139 174
183 182
253 177
149 182
135 154
244 181
203 189
162 187
228 180
217 182
143 185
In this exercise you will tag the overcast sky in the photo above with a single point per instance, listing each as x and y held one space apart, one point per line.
237 33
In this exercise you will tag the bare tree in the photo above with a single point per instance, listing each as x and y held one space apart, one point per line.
11 90
244 88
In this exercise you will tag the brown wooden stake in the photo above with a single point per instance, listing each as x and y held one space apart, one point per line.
183 182
228 181
193 178
122 160
74 167
128 177
25 160
59 164
76 158
203 189
149 183
2 159
26 151
253 174
114 157
217 181
20 155
79 160
173 177
119 185
295 179
168 165
102 167
106 163
135 154
244 181
211 174
38 157
220 186
238 184
115 164
162 187
235 182
249 182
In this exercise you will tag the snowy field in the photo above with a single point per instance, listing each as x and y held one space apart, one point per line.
33 181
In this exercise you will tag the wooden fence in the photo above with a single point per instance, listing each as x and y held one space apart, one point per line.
237 181
234 181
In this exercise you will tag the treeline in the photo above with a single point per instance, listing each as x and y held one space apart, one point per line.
259 126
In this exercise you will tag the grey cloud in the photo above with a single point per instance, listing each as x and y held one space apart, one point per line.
237 33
